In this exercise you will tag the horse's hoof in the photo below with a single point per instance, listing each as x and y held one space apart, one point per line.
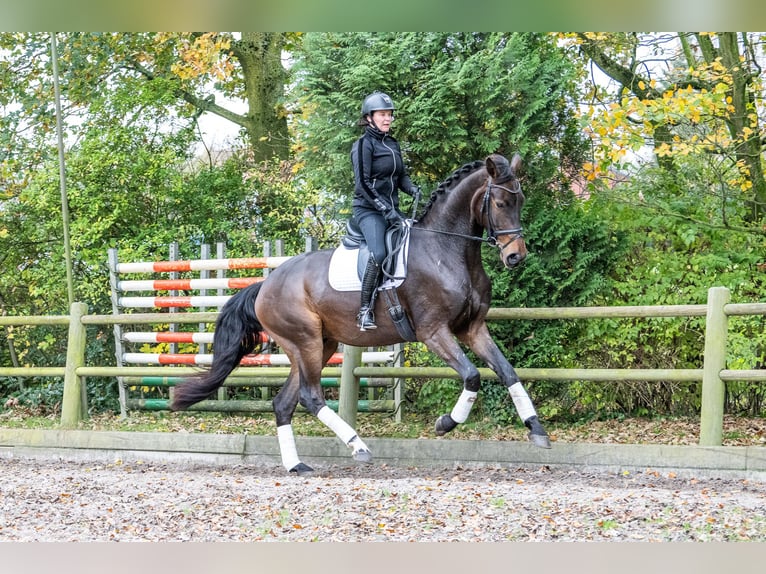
539 440
537 435
444 424
301 469
363 456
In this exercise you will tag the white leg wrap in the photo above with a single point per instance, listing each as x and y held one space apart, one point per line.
341 428
287 447
463 407
521 400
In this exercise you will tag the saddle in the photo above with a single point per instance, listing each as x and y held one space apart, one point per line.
394 269
396 237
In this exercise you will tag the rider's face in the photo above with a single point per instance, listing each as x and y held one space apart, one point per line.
382 119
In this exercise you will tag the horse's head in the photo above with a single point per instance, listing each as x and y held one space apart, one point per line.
501 205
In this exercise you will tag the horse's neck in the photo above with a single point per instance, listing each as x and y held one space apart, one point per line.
454 211
457 236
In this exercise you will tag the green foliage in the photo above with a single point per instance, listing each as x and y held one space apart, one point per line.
39 397
459 97
681 244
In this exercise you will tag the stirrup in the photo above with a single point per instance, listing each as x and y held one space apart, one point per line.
366 319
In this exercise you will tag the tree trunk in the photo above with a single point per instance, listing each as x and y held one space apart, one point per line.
744 116
260 55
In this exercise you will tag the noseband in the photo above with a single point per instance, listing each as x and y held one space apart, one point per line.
492 233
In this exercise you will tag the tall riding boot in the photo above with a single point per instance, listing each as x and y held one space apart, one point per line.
366 317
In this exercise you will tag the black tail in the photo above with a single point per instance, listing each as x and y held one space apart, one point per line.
237 333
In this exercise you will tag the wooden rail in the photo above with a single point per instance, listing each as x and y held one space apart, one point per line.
712 374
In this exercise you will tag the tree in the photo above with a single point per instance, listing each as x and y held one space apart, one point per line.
459 97
692 216
259 79
186 72
130 102
690 93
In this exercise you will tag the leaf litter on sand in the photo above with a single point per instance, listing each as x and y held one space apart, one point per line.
68 501
63 501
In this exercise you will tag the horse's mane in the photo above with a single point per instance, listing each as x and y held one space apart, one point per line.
455 177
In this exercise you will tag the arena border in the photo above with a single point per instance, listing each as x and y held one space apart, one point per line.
746 462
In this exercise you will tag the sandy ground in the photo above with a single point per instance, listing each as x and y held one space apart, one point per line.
74 501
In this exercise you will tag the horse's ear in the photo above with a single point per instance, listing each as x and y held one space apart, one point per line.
516 163
496 165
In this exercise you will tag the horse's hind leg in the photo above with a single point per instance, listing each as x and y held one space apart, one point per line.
312 399
304 386
284 407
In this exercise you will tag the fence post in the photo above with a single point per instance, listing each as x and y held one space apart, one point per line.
348 401
73 407
716 331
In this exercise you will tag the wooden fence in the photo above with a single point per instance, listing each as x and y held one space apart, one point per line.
712 374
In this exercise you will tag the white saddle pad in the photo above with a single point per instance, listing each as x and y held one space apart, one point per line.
343 275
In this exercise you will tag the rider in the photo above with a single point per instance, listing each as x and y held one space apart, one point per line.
379 172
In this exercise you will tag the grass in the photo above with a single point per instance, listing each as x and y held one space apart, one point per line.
738 431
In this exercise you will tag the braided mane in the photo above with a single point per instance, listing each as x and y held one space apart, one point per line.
456 177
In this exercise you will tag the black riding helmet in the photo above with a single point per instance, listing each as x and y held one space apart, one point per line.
377 101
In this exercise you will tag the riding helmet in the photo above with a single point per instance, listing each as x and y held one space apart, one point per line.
377 101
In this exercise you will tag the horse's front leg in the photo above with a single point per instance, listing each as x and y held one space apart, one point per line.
444 345
481 343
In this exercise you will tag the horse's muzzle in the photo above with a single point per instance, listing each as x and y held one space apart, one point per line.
513 253
513 259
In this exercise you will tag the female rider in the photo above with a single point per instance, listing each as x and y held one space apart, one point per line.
379 173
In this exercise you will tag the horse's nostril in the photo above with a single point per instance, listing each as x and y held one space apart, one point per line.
513 259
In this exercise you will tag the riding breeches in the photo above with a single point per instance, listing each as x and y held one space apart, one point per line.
373 226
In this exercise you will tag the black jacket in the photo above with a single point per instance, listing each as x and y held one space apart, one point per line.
379 171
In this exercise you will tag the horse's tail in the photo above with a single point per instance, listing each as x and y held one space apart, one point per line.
237 333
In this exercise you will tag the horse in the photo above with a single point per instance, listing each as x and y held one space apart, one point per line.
446 296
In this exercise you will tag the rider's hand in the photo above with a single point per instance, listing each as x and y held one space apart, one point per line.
393 216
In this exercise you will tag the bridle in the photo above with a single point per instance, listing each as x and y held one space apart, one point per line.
492 233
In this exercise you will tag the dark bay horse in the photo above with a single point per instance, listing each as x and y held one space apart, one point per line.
446 295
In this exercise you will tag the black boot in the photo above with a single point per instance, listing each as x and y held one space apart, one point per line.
366 317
